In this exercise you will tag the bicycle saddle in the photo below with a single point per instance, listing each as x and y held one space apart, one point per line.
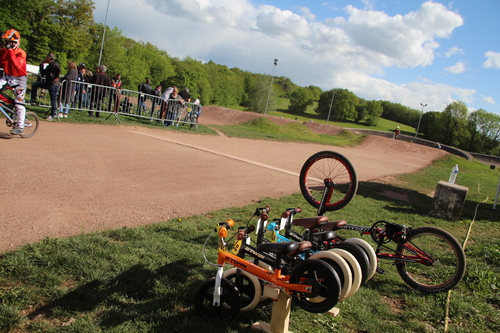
310 222
280 248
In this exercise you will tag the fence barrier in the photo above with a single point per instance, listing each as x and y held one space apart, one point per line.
97 99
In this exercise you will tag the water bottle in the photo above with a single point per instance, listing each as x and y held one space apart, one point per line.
453 174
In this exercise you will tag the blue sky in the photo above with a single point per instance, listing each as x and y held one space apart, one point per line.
404 51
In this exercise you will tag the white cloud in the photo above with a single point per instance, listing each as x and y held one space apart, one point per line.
493 60
458 68
488 99
335 52
453 51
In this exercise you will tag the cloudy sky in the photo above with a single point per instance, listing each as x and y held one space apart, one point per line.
404 51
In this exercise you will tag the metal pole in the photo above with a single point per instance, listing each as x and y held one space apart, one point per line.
104 33
331 103
271 86
418 126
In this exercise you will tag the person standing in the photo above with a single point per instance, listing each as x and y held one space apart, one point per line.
81 88
186 96
68 89
49 79
100 80
156 99
144 90
13 62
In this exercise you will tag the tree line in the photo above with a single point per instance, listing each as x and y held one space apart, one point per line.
67 28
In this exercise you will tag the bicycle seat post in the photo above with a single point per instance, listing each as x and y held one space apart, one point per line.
327 194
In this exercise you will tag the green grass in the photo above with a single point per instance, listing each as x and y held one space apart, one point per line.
143 279
265 129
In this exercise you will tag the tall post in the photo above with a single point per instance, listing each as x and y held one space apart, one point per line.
329 111
418 126
104 33
271 86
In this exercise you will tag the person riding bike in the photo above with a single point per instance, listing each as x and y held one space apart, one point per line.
13 62
396 132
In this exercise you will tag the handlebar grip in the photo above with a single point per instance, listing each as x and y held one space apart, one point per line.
264 216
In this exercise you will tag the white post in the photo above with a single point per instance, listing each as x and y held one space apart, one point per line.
104 33
418 126
331 103
496 196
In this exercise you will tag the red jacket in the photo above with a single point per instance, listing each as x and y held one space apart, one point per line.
13 61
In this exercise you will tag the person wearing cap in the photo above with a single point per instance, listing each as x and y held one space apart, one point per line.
13 62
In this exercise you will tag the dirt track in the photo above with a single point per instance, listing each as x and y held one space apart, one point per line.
70 178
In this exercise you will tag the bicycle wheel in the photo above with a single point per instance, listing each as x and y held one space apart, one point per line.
370 252
328 165
31 122
230 300
325 282
445 260
360 255
353 266
340 265
248 285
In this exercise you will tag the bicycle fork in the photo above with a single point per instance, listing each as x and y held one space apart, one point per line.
218 288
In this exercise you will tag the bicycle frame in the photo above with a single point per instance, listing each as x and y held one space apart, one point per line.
276 277
418 257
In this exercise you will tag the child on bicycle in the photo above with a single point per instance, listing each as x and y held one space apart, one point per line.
13 62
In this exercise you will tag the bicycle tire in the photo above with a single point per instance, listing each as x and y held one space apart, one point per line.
354 267
448 266
31 123
325 282
340 265
249 287
328 165
230 300
370 252
360 255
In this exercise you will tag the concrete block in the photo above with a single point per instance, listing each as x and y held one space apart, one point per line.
449 201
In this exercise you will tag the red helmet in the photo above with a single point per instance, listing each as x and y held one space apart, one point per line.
11 39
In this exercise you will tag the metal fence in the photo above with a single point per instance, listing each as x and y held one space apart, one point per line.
97 100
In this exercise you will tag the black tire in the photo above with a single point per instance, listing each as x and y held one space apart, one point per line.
360 255
325 282
447 267
31 123
328 165
230 300
248 285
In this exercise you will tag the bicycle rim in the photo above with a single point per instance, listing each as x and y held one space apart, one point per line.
249 287
229 301
448 261
31 123
328 165
325 281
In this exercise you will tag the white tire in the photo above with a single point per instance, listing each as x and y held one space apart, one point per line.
344 267
370 252
357 275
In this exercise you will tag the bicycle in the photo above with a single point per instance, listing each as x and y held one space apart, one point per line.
314 285
31 120
428 259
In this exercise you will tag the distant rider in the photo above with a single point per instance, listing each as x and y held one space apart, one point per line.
396 132
13 62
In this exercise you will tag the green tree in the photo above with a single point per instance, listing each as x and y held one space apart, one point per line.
300 99
454 117
343 106
373 112
484 128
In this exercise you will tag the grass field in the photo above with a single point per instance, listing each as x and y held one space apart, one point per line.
143 279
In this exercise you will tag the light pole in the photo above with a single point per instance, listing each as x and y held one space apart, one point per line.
271 86
104 33
418 126
331 103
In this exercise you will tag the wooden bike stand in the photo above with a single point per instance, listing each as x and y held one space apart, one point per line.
280 316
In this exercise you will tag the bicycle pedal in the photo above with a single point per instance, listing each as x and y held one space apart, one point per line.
380 270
